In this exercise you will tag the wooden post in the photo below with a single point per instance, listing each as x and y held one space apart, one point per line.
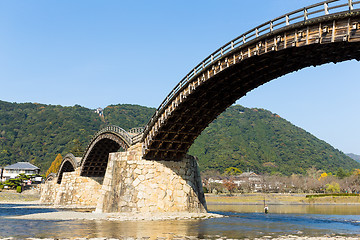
326 8
351 6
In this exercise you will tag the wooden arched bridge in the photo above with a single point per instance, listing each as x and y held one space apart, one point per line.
318 34
105 141
325 32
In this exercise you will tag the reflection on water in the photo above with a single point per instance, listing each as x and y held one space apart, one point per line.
98 229
241 221
149 229
21 209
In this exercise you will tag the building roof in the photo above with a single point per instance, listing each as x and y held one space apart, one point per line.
248 174
22 165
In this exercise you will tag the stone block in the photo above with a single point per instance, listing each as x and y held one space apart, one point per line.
137 171
136 182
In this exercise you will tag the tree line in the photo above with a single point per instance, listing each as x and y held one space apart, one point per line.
314 181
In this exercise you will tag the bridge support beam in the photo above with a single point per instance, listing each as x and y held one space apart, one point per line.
132 184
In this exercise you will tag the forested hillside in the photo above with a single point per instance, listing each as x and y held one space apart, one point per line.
128 116
245 138
261 141
36 133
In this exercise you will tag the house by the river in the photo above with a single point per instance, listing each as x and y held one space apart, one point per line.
12 171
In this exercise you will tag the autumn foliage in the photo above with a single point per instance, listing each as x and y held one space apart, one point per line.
55 165
230 186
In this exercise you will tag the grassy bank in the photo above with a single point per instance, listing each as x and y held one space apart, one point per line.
10 196
275 198
254 198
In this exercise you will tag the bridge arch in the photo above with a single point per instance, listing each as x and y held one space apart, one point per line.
107 140
318 34
68 164
50 177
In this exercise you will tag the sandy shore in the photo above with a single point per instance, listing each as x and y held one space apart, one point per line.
28 199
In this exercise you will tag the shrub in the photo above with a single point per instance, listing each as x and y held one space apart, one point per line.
18 189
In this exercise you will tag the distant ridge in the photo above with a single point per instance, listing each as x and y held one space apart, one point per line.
354 156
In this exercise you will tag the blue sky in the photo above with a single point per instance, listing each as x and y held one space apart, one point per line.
97 53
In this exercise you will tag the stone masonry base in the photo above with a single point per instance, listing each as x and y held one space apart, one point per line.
132 184
74 190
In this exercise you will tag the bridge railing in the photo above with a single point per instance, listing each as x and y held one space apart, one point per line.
136 134
136 130
301 15
116 129
137 138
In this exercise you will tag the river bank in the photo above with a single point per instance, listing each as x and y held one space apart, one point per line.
33 196
278 199
9 196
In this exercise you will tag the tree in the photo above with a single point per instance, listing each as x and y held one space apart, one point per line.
22 177
341 173
232 171
333 187
55 165
13 183
229 185
323 176
356 172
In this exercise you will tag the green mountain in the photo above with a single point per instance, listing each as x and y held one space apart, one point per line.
261 141
245 138
36 133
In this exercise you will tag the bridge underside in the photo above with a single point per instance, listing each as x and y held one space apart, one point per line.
209 97
66 167
96 159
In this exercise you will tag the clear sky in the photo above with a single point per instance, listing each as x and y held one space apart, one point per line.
101 52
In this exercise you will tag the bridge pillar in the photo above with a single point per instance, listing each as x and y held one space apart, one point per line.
133 184
74 190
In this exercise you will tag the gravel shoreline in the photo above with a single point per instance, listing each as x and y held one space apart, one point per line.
74 215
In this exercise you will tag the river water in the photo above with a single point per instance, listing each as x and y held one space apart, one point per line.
241 221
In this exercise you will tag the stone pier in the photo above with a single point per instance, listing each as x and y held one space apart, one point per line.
132 184
74 190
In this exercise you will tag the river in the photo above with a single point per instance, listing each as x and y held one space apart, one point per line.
241 221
